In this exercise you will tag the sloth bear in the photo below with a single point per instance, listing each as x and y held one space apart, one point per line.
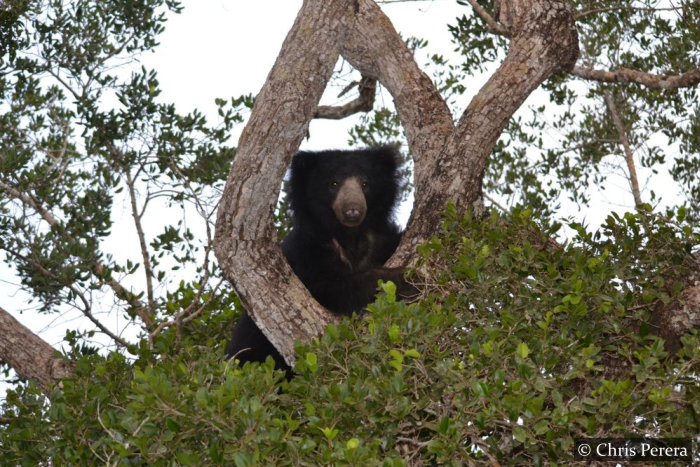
342 205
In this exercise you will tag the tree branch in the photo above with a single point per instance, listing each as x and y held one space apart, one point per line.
363 103
492 25
543 42
29 201
629 155
29 355
148 271
652 81
87 308
375 48
622 75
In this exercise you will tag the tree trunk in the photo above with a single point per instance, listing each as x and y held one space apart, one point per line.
29 355
449 160
245 239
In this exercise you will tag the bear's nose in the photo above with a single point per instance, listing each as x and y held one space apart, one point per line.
353 213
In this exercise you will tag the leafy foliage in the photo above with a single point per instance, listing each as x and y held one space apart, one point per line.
84 132
511 354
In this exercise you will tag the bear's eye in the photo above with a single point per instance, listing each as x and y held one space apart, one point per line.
333 184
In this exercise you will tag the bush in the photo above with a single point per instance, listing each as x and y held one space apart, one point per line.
517 347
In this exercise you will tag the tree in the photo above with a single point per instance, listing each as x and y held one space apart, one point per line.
514 328
79 133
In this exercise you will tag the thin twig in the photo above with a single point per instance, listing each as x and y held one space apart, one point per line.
86 311
96 268
142 242
624 140
493 26
190 313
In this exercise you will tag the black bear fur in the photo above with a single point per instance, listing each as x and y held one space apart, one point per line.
342 205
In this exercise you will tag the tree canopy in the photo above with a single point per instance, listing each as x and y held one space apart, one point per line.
533 328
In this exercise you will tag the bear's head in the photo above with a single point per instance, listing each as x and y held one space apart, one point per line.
339 190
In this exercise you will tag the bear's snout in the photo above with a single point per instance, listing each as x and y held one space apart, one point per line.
350 206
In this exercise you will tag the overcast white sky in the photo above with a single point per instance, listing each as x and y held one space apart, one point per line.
223 48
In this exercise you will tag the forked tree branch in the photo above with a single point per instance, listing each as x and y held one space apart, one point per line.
621 75
543 42
449 161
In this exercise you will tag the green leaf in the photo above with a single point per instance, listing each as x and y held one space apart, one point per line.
330 432
523 350
413 353
394 333
352 443
519 434
311 361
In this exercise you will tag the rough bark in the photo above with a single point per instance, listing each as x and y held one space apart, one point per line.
671 321
30 356
245 239
449 160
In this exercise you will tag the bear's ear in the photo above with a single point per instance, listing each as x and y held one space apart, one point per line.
303 164
304 161
388 157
